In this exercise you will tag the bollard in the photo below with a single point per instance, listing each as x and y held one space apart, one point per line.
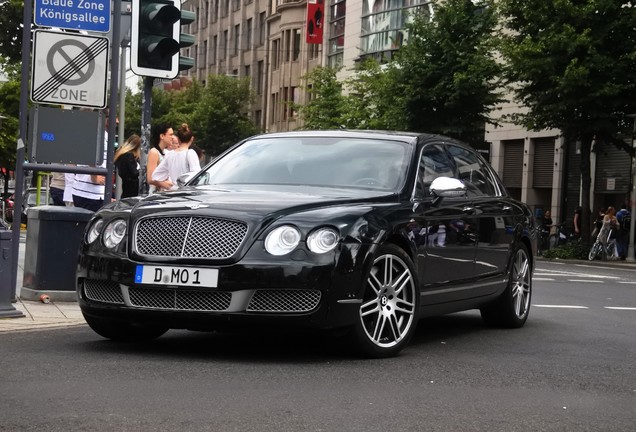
6 308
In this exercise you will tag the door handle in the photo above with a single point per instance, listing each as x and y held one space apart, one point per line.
506 209
469 210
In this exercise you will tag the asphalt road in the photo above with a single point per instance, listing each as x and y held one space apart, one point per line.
571 368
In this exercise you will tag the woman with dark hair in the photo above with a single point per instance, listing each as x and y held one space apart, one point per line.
161 140
179 161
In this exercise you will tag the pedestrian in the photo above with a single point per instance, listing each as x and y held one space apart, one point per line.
545 225
598 222
178 162
624 219
56 188
161 140
576 223
69 180
127 164
607 233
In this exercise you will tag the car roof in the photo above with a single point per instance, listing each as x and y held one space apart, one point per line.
376 134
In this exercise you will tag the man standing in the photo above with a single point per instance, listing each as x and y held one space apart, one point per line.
624 219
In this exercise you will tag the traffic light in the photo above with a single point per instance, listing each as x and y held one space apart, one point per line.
155 38
186 39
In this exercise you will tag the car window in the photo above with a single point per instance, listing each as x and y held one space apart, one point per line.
314 161
473 172
434 163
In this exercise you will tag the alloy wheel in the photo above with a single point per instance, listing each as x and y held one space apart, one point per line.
388 308
521 284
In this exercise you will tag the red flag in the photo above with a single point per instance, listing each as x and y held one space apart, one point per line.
315 21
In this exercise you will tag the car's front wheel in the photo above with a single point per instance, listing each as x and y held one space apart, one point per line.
511 309
388 314
124 332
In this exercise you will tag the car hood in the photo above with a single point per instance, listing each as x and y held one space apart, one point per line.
250 201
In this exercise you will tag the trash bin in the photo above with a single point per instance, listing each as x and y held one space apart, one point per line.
53 239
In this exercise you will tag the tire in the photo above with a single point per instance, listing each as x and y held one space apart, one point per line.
596 248
512 307
124 332
387 317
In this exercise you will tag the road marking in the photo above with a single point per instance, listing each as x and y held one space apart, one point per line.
620 308
585 281
543 279
560 306
630 283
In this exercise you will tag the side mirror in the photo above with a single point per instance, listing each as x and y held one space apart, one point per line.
446 187
184 178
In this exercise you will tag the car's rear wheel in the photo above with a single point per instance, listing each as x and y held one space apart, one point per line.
511 309
124 332
388 314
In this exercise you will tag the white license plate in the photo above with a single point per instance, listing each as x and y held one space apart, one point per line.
183 276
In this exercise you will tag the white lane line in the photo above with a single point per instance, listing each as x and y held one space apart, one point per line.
543 279
629 283
560 306
620 308
585 280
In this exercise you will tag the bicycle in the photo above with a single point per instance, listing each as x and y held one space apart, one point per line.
605 249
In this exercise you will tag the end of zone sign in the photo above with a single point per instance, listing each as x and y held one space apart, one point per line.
89 15
69 69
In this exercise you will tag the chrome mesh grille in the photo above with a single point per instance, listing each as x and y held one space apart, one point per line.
284 301
180 299
105 291
189 237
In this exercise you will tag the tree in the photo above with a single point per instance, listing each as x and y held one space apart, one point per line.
571 63
326 107
219 117
11 17
446 73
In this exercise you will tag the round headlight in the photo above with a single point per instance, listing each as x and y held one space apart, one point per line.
323 240
95 230
114 233
282 240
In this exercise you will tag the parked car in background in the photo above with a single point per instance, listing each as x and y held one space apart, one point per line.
29 200
364 232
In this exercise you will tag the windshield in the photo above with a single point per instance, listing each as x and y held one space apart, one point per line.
332 162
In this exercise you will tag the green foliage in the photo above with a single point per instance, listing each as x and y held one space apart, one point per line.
443 81
572 64
572 250
327 106
9 126
11 17
447 72
216 112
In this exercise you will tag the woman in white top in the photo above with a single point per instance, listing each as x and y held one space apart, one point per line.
178 162
162 136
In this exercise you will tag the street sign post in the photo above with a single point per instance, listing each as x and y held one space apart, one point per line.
88 15
69 69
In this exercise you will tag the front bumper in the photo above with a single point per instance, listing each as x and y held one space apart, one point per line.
301 290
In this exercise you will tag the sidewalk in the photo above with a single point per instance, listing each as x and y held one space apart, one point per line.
38 315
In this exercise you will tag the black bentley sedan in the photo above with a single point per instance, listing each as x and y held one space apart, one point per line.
363 232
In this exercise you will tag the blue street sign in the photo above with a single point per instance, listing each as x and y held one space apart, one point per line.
89 15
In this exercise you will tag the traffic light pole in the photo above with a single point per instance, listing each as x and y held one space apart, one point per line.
146 116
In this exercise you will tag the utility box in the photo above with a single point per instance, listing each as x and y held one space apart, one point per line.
6 293
53 239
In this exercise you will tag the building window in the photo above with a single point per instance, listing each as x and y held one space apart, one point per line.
262 27
237 38
236 5
205 53
248 35
215 40
274 105
248 72
259 77
226 8
338 12
215 10
314 51
275 54
225 44
287 40
296 44
383 23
